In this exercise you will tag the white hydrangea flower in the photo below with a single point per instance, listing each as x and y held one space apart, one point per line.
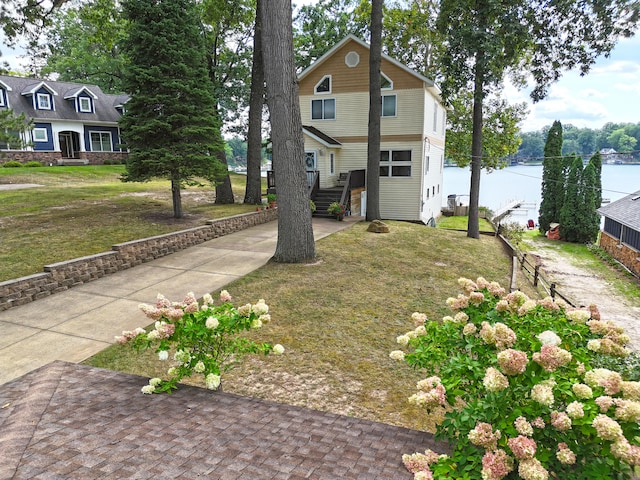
549 338
278 349
163 355
212 322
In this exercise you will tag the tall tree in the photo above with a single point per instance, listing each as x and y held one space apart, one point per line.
375 111
485 40
596 161
553 178
590 220
501 137
571 214
295 230
170 125
253 192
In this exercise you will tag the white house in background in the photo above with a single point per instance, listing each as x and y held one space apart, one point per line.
72 122
334 103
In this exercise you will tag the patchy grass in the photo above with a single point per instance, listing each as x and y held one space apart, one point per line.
460 223
338 319
80 211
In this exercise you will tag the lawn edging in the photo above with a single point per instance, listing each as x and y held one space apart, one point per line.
61 276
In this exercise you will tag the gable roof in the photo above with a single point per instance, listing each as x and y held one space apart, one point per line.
352 38
20 89
625 211
326 140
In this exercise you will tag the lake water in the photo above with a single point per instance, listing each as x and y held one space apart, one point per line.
500 187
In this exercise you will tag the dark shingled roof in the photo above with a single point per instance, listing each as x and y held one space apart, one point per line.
68 421
323 137
105 111
625 211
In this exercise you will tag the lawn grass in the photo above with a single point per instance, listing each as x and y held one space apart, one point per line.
338 319
83 210
460 223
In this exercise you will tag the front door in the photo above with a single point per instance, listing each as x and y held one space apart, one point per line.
310 165
69 144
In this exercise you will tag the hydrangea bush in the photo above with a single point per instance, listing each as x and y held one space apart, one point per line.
515 390
204 338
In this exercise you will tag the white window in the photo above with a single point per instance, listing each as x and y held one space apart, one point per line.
2 94
388 105
395 163
385 82
324 85
332 164
426 164
44 101
84 104
435 116
324 109
101 142
40 135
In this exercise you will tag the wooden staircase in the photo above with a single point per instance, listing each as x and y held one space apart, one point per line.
325 197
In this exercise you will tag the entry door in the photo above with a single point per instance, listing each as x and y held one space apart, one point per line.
68 145
310 161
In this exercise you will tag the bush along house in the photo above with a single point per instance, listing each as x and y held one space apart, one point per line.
71 123
334 104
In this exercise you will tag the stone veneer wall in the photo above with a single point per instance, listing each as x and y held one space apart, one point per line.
55 158
626 255
61 276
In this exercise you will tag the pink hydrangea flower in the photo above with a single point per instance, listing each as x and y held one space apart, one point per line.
505 337
631 390
604 402
523 426
532 469
496 465
523 448
225 296
512 362
607 428
565 455
551 357
484 436
560 421
494 380
627 410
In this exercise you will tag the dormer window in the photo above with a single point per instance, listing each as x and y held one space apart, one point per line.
44 101
385 82
3 101
324 85
84 104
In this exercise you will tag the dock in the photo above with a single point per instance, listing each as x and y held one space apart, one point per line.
509 208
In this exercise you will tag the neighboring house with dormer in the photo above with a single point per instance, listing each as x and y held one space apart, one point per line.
334 104
621 234
71 123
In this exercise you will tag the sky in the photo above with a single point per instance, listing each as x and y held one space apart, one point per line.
610 92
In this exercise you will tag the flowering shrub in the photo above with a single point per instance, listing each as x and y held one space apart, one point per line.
517 392
204 338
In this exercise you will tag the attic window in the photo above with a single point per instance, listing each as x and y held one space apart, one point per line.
84 104
385 82
324 85
352 59
44 101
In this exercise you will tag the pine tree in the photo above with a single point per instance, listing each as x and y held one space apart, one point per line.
596 161
552 179
590 222
571 214
170 126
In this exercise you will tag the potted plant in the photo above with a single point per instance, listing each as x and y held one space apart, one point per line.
271 199
337 210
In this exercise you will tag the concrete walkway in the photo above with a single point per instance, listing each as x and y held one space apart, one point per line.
78 323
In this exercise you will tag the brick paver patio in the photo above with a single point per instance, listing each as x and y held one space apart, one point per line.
68 421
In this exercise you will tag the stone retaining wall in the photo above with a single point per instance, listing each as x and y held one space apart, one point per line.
626 255
61 276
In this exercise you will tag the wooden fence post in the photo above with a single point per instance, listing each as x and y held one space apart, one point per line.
536 273
552 290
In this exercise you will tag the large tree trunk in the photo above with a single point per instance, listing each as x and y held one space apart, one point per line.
295 231
176 198
375 110
473 225
253 193
224 192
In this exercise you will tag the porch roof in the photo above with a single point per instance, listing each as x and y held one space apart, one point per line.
327 140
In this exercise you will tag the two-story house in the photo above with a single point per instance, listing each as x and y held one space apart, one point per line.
334 104
71 123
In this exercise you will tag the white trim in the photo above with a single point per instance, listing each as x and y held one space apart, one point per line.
395 106
2 97
84 110
328 92
100 132
390 87
40 130
44 96
320 140
323 100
